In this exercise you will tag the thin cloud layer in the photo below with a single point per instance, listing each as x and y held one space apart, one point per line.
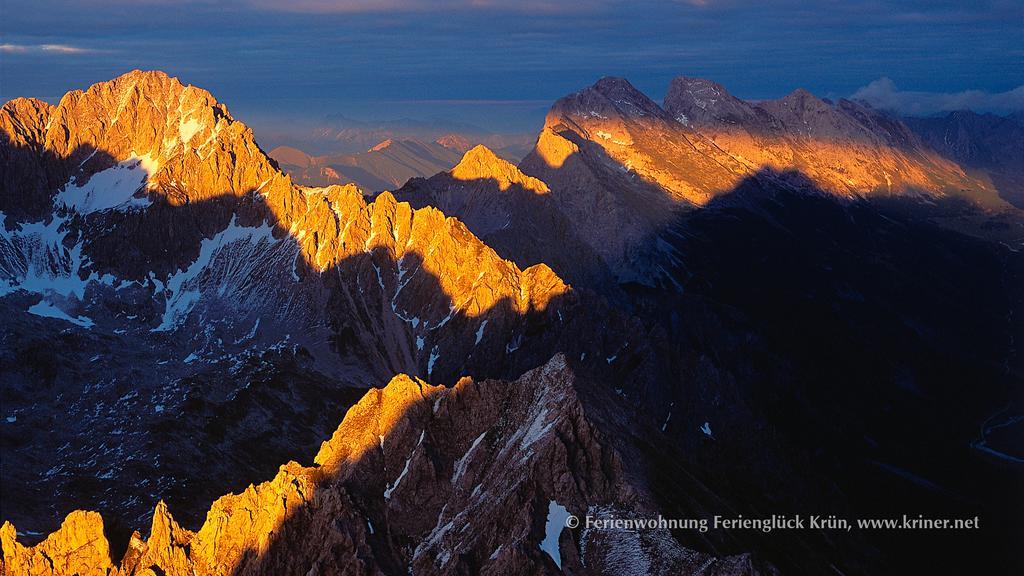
43 48
414 6
884 94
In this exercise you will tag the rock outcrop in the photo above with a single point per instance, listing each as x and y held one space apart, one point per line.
417 478
78 547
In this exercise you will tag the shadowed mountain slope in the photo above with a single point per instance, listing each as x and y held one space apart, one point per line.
805 314
990 146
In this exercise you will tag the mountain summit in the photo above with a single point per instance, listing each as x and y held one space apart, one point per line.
194 149
480 163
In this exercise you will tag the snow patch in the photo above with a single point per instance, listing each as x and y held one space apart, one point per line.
184 292
36 260
480 332
391 487
434 355
113 188
460 466
47 310
557 515
187 129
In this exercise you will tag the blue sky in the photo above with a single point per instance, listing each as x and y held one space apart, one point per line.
500 64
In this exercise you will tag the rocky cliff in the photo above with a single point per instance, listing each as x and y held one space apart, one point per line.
990 147
477 477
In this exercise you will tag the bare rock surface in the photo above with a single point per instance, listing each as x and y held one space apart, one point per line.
417 478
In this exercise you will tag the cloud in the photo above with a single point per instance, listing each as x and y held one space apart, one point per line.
884 94
412 6
43 48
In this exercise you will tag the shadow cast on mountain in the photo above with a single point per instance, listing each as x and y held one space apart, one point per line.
752 343
520 224
828 342
31 176
243 420
841 349
848 350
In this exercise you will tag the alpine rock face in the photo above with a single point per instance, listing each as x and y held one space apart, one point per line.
190 286
512 212
988 145
843 148
710 307
416 478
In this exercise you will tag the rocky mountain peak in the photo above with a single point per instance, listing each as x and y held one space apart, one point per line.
607 99
186 142
480 163
78 547
695 87
797 105
698 102
455 142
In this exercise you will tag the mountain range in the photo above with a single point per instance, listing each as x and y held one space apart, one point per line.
385 166
704 307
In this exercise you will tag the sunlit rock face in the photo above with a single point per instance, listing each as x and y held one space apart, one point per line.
477 477
622 167
195 149
511 212
841 148
188 284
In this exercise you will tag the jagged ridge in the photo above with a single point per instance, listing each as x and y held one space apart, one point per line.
430 478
